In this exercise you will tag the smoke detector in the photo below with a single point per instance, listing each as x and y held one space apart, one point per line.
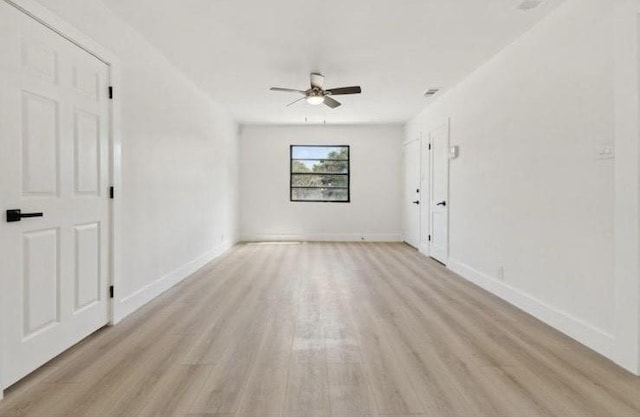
529 4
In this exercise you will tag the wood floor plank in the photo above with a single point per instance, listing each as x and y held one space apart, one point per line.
307 390
349 393
223 389
326 330
176 392
265 391
392 391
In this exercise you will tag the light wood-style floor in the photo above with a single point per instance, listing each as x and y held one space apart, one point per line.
326 329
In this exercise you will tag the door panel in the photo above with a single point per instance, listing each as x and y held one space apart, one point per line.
87 81
39 144
40 60
412 193
87 265
439 194
54 133
87 152
41 281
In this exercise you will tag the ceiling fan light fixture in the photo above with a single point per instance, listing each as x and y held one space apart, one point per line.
315 100
317 95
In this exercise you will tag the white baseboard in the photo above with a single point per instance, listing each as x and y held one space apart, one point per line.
573 327
130 303
324 237
424 249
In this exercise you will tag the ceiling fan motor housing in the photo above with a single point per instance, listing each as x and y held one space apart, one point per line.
316 92
317 80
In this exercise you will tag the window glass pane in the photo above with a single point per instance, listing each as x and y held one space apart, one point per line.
335 167
320 173
319 180
320 152
319 194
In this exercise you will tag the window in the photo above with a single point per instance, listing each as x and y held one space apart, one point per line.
320 173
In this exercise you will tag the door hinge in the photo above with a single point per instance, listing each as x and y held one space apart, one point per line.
110 93
429 146
111 192
429 238
111 291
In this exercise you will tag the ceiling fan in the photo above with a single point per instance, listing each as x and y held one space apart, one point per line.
317 95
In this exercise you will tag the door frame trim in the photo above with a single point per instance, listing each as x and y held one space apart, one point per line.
626 57
38 12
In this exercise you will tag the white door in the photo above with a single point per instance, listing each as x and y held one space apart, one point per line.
412 193
54 159
439 194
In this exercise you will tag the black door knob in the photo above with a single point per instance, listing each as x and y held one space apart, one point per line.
15 215
442 203
416 202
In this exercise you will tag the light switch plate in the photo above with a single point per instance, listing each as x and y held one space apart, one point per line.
454 151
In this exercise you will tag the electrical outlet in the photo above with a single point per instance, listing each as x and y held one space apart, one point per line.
500 273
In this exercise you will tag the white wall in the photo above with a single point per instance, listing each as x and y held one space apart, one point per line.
528 191
374 212
179 162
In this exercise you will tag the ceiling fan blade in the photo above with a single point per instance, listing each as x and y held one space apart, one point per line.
294 102
331 102
344 90
287 90
317 80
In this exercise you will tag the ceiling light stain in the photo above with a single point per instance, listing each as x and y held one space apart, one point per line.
529 4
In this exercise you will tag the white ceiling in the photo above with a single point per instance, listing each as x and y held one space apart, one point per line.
395 49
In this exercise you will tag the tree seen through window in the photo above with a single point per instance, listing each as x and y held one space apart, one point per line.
320 173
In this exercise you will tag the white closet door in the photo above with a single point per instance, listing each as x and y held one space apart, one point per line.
54 160
439 194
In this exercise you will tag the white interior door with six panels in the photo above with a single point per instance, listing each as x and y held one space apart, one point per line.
412 199
54 159
439 194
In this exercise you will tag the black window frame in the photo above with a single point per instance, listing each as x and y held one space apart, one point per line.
291 173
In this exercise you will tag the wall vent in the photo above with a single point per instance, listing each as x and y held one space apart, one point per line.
431 92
